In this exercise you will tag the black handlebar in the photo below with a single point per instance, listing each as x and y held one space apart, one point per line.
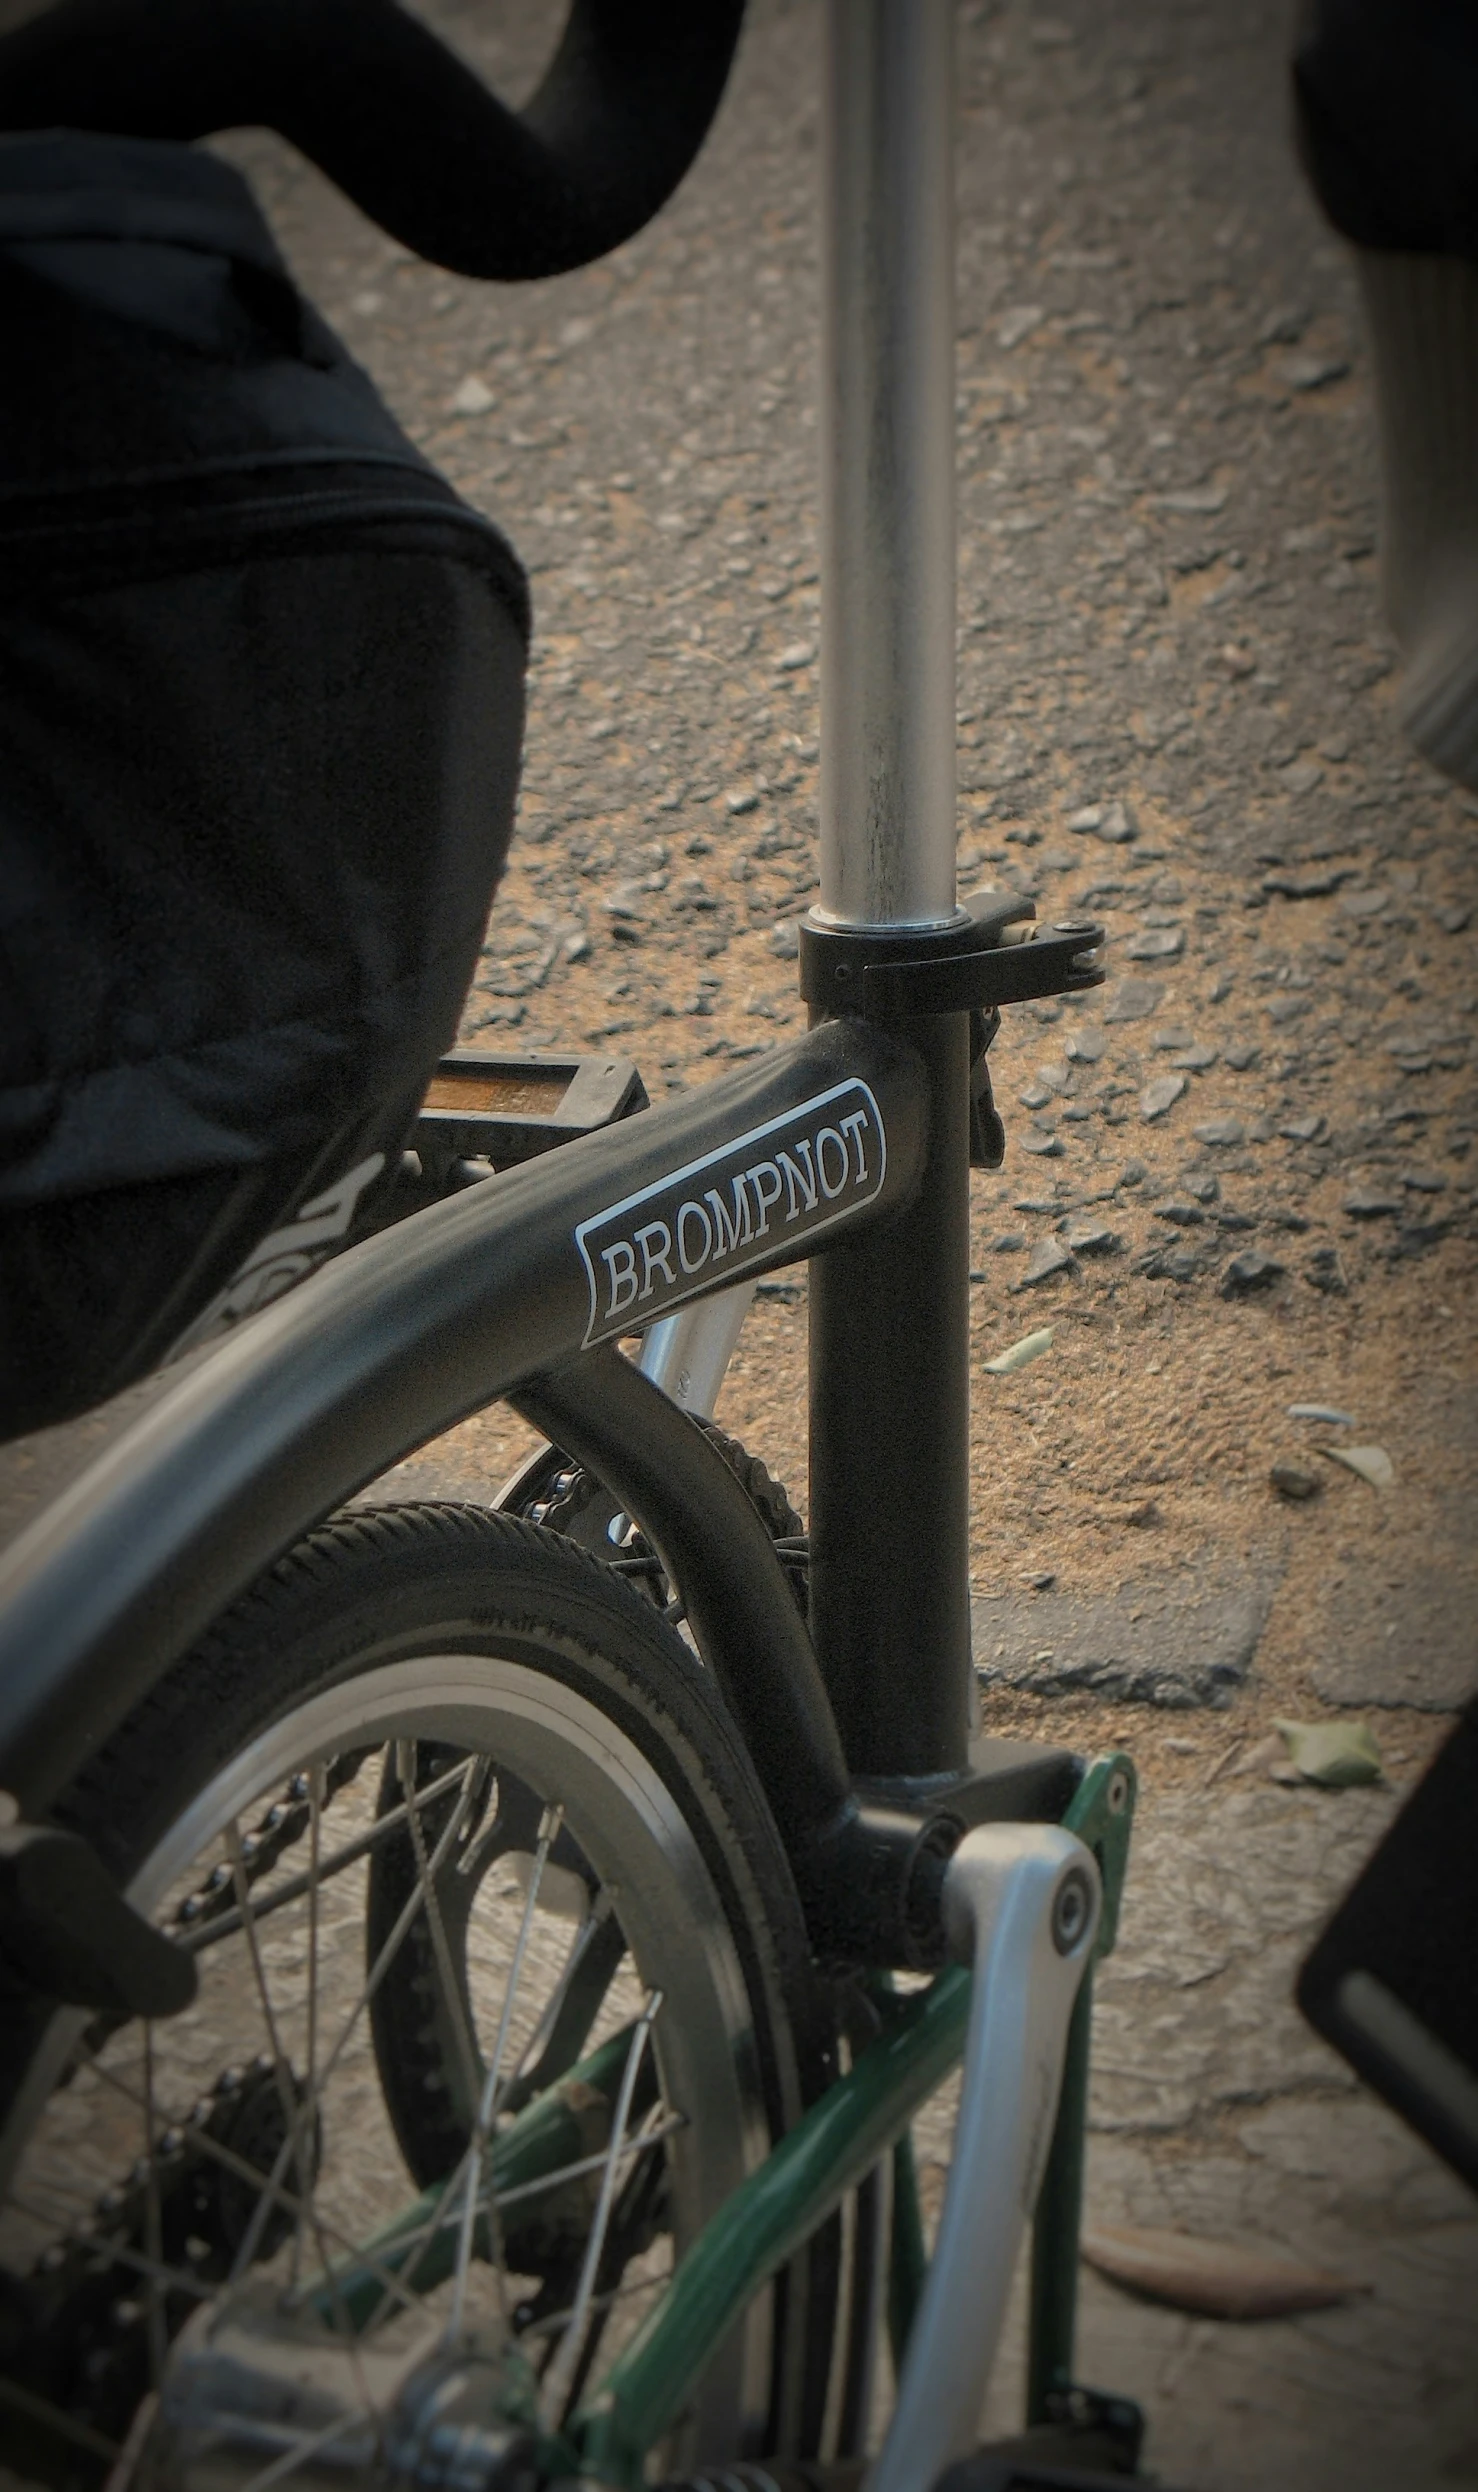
412 136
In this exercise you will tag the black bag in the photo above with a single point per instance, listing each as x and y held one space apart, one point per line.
261 699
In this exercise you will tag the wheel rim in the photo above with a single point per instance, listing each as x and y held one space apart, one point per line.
711 2121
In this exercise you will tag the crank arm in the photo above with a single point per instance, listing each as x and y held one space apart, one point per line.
1021 1905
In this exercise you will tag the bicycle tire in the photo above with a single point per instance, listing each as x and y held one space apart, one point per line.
405 1630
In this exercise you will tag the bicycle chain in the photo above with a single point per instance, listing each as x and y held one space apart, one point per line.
76 2327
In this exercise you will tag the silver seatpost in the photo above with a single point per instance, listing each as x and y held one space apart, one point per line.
887 450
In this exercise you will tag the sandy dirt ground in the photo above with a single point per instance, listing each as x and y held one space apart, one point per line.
1239 1178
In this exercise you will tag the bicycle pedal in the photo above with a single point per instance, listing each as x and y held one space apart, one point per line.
506 1108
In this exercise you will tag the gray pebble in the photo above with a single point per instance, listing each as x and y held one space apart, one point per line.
1158 1097
1248 1274
1302 1129
1221 1132
1168 1263
1238 1222
1010 1242
1170 1040
1423 1181
1134 999
1326 1273
1090 1237
1262 1129
1157 943
1242 1058
1035 1095
1367 1202
1041 1146
1197 1059
1182 1215
1047 1258
1086 1046
1203 1189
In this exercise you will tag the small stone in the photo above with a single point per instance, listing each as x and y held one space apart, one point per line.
1035 1095
1085 1046
1221 1132
1010 1242
1242 1058
1454 920
1133 1172
471 397
1047 1259
1090 1237
1249 1274
1157 943
1302 1129
1170 1040
1423 1181
741 800
1316 886
1365 1202
1117 826
1292 1480
1039 1145
1182 1215
785 939
791 660
1284 327
1168 1263
1199 501
1358 904
1196 1059
1203 1189
576 947
1015 326
1309 372
1236 1223
1236 660
1158 1097
1134 999
1326 1273
1301 778
1087 818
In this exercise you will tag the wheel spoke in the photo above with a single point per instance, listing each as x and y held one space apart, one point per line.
469 2171
560 2376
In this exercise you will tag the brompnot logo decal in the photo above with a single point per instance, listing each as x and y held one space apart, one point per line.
727 1212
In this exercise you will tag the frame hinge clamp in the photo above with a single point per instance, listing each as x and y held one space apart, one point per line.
990 956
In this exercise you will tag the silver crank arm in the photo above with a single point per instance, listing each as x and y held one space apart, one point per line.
1021 1906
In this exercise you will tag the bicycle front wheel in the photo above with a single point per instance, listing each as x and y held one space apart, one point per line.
504 1988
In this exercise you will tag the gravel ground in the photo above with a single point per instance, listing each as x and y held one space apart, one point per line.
1238 1179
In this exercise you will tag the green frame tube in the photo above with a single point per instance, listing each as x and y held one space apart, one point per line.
774 2212
769 2217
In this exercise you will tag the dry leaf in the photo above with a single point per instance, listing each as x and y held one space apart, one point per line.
1021 1353
1337 1754
1368 1462
1217 2279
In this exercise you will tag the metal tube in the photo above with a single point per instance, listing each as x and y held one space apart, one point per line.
688 1354
890 1456
887 492
400 1338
